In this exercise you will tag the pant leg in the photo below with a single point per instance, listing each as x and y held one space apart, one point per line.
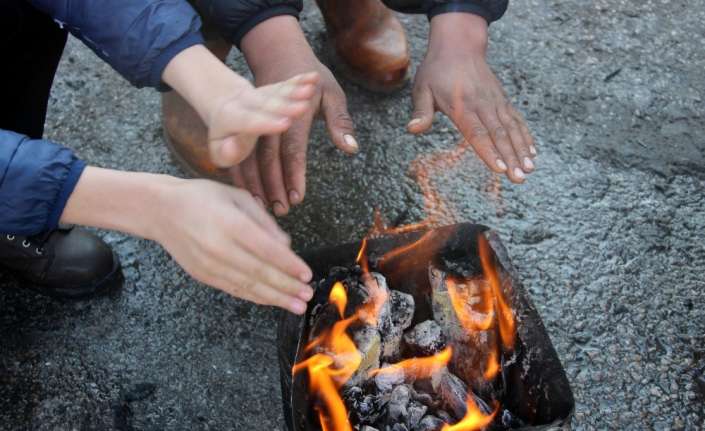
31 44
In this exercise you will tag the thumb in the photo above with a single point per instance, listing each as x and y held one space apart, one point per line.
422 118
338 121
232 150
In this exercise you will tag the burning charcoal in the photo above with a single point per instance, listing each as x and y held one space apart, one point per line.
424 339
368 428
429 423
368 343
423 398
398 402
445 417
452 391
470 348
386 381
454 394
401 313
416 411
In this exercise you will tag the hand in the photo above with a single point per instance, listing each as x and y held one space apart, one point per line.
240 117
235 112
217 233
455 79
222 238
276 172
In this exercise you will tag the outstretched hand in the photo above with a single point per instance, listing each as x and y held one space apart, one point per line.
454 78
275 173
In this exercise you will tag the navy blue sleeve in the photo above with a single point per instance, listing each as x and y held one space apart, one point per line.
234 18
36 179
137 38
490 10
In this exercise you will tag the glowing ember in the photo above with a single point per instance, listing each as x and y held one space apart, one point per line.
474 419
418 368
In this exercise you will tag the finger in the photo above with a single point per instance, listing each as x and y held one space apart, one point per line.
294 143
500 137
270 169
247 234
260 271
241 286
231 150
478 136
256 211
338 120
526 133
251 177
422 118
521 149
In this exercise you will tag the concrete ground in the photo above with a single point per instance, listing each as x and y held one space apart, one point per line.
608 234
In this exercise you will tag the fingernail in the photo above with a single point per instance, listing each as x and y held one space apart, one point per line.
351 142
305 277
501 165
260 202
298 307
528 164
532 150
306 295
414 122
519 173
279 208
294 197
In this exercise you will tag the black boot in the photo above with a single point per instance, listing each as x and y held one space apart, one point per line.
64 263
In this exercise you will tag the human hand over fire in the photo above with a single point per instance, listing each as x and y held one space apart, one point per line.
275 173
454 78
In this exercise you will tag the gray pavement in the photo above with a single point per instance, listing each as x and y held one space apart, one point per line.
608 234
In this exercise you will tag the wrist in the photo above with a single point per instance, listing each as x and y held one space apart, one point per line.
275 43
460 32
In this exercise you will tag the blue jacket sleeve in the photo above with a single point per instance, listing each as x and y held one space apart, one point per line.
137 38
36 179
490 10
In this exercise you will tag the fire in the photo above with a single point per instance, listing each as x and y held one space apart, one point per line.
337 357
492 367
334 364
473 318
505 315
418 368
474 419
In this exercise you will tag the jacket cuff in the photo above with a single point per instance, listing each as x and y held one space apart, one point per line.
461 7
259 17
70 182
160 63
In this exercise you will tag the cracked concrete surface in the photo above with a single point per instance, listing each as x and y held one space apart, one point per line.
608 234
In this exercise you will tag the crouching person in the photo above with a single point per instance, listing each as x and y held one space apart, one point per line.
217 233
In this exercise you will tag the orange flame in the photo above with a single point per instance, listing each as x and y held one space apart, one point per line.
474 419
338 297
461 296
361 258
492 367
505 315
417 368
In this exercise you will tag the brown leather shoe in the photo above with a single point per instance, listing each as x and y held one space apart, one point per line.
368 41
184 132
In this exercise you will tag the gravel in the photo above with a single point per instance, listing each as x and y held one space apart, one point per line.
608 234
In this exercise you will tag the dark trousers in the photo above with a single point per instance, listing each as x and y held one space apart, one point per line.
31 44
